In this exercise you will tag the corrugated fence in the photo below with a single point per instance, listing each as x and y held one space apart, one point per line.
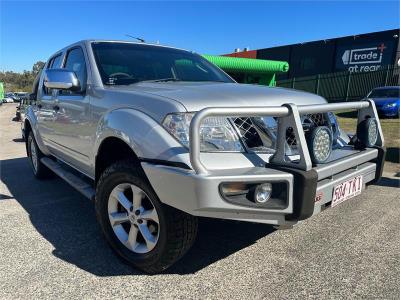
344 86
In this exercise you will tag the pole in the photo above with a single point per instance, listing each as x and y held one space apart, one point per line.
387 74
317 85
348 86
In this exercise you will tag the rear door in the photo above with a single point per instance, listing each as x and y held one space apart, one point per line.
72 128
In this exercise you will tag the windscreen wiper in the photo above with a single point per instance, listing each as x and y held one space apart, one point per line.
163 80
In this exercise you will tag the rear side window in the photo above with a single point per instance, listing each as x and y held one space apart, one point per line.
76 63
54 63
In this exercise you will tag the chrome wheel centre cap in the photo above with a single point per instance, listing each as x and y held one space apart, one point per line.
132 218
135 219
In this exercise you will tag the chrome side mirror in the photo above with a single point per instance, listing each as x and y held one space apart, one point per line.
61 79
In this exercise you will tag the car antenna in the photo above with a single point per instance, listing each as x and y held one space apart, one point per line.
136 38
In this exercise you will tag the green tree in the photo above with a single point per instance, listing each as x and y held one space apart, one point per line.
22 81
37 67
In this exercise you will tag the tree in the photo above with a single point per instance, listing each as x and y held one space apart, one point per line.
23 81
37 67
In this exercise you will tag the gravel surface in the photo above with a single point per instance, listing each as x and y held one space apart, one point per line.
51 247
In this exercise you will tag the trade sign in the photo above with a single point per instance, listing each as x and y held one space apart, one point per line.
364 58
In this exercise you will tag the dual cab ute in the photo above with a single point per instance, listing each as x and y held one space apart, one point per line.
159 136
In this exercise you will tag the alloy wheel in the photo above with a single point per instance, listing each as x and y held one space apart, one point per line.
34 156
133 218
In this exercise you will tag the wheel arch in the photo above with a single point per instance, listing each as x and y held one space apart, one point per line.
27 131
111 150
31 123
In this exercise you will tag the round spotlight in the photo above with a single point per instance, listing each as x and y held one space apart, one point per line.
320 144
263 193
367 132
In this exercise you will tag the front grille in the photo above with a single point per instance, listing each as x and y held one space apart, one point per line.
290 137
251 136
248 132
309 122
315 119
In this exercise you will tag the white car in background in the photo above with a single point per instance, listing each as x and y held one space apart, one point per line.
8 100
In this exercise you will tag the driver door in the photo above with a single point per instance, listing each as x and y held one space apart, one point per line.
72 127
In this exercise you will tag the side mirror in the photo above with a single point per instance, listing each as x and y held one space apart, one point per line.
61 79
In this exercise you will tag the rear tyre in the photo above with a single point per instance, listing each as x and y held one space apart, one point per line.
147 234
39 169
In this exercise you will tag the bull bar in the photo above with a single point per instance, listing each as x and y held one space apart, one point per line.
288 116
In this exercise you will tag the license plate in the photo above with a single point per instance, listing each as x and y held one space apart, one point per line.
347 190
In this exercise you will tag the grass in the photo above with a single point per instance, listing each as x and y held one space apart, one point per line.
391 134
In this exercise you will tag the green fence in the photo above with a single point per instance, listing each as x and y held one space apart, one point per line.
1 91
344 86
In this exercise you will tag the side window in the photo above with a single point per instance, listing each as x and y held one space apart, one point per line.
50 63
75 62
54 63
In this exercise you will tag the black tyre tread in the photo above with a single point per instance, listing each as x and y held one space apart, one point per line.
181 236
181 227
42 172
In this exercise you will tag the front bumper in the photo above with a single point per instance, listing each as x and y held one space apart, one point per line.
314 188
199 194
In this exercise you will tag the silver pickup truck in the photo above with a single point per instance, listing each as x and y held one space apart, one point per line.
158 136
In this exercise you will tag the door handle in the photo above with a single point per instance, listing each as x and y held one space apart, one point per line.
56 107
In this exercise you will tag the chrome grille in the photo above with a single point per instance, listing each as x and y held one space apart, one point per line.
315 119
290 137
309 121
251 137
248 131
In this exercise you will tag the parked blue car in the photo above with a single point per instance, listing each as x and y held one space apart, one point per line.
387 100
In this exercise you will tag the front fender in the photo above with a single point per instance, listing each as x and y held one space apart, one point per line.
146 137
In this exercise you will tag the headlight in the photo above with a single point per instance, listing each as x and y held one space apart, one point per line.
216 133
390 105
320 144
367 132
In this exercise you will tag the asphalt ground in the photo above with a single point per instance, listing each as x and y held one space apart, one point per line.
51 247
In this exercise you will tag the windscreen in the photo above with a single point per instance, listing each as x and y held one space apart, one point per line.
126 63
385 93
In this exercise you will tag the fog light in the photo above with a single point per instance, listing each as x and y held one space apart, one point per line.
320 144
367 132
263 193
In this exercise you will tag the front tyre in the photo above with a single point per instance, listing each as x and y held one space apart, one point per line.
146 233
39 169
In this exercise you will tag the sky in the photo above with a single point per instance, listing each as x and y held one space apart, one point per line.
34 30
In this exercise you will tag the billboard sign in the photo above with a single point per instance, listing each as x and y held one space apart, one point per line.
364 58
